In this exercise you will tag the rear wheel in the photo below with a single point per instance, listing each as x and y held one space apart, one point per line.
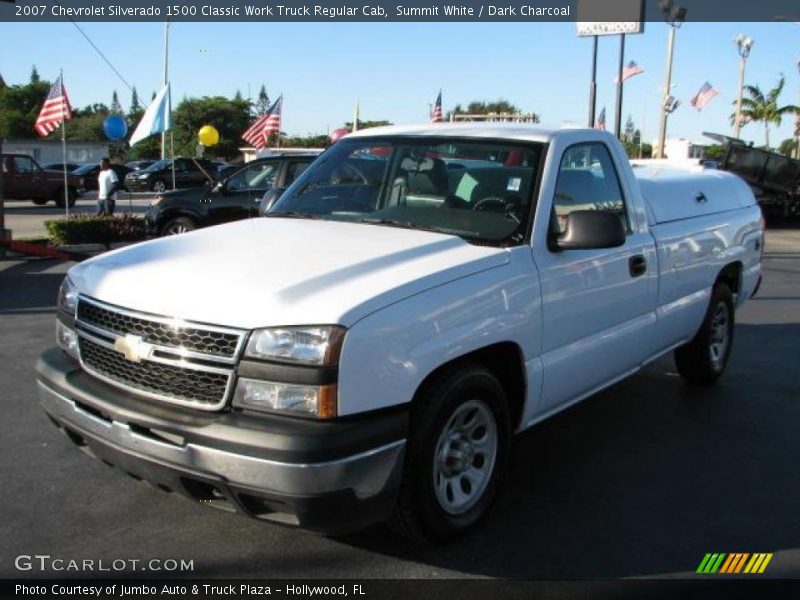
178 225
702 361
59 197
456 454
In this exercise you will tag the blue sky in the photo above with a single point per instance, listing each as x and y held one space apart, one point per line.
396 69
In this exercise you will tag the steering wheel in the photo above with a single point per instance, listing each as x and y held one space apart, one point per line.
490 202
346 177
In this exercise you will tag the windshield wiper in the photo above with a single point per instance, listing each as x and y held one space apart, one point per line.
392 223
292 214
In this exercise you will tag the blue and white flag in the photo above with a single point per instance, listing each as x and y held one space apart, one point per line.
157 118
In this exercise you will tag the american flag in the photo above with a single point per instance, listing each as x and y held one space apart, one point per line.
55 109
704 96
630 71
601 120
436 117
258 133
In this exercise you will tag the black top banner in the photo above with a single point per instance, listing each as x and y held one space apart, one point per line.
380 11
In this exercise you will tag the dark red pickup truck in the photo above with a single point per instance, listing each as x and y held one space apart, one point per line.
24 179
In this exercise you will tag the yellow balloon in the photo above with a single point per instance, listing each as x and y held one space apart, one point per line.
208 135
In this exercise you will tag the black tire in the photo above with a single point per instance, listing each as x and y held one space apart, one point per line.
702 361
178 225
420 515
59 197
158 186
40 201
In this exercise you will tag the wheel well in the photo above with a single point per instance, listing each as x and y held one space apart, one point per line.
504 360
731 276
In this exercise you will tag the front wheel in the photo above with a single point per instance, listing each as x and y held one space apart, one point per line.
457 450
72 194
159 187
40 201
178 225
702 361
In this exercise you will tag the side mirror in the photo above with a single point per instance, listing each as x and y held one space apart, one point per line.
591 229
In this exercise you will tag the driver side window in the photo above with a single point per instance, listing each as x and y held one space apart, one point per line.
257 177
587 180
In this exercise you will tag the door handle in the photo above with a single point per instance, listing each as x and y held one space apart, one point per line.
637 265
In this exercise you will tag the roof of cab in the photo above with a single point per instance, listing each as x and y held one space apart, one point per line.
506 131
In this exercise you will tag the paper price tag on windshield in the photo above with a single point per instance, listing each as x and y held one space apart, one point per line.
513 184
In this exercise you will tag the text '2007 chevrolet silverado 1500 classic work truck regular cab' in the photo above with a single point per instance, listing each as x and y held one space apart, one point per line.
366 351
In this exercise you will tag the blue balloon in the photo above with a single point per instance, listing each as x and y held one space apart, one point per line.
115 127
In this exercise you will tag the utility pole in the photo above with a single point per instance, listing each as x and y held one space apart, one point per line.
618 109
593 84
674 15
166 80
743 44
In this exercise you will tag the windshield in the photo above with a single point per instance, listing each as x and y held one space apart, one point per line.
480 191
159 166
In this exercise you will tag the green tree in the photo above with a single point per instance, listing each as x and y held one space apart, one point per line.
764 108
788 147
229 117
262 103
135 106
116 107
483 107
366 124
35 75
19 107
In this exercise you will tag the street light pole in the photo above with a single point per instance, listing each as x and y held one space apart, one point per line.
674 16
744 44
166 79
593 84
797 124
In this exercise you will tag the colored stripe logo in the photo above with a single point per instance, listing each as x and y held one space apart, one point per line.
734 563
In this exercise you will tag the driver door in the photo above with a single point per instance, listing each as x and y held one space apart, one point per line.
238 196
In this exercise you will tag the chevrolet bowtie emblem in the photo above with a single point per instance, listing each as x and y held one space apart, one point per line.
133 347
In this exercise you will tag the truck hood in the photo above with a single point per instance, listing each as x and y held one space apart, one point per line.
277 271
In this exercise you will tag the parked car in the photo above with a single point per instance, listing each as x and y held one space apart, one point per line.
139 165
87 175
60 167
238 196
189 172
24 179
368 350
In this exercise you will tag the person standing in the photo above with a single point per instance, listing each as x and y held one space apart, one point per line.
107 183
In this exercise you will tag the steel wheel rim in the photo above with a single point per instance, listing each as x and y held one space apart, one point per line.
465 455
177 228
720 336
159 187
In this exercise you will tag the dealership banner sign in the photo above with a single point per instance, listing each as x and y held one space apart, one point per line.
599 16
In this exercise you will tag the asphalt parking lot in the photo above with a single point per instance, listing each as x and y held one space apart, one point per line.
26 220
640 480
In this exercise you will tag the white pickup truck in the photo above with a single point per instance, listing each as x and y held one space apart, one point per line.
366 351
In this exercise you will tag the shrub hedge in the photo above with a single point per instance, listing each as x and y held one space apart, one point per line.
91 229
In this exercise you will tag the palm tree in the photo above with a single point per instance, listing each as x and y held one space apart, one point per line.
758 107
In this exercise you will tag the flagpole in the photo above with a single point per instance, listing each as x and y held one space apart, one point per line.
166 79
64 145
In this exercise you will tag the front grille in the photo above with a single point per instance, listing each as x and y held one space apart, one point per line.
155 378
172 360
204 341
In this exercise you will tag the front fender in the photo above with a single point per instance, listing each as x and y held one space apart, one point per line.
388 354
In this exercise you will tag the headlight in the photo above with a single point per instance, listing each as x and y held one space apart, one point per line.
67 339
68 296
319 346
301 400
144 176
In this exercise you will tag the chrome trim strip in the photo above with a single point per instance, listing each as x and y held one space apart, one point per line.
183 364
366 473
174 350
152 395
173 322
